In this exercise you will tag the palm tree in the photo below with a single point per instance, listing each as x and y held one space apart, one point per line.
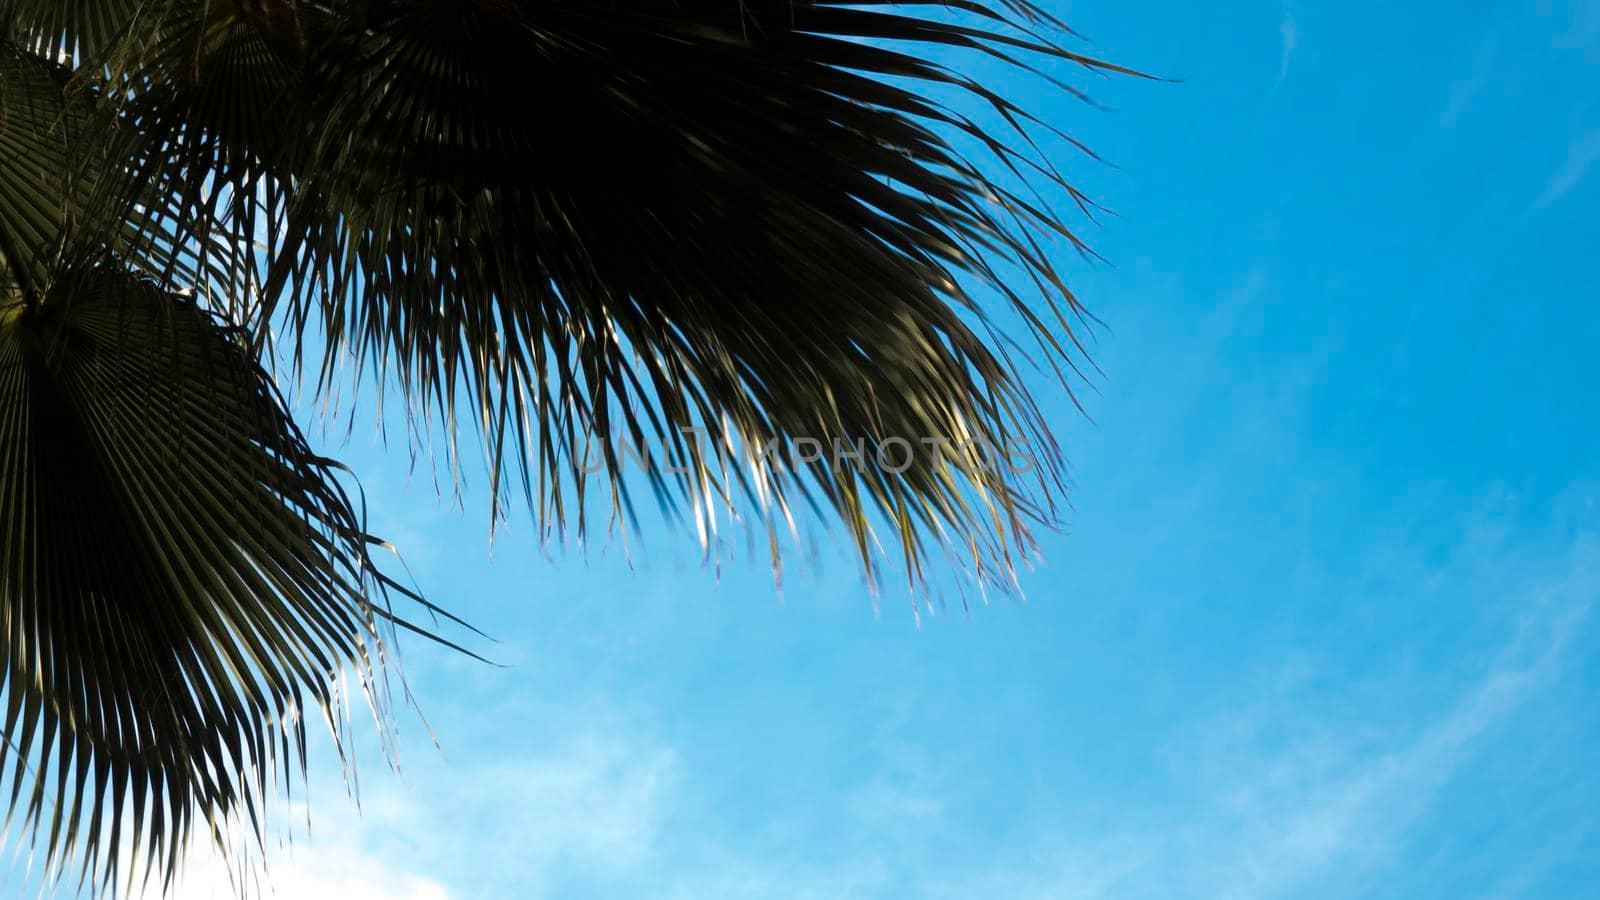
550 218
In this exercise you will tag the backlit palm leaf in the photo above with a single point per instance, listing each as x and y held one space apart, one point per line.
181 579
556 219
63 30
563 219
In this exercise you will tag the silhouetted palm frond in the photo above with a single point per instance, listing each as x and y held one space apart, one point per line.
763 220
704 227
182 577
182 580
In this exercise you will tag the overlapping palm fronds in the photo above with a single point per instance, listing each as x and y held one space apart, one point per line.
693 224
182 577
183 581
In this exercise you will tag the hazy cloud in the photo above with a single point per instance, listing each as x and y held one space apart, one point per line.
1581 154
1283 787
592 807
1464 91
1290 35
1289 788
1339 801
1583 26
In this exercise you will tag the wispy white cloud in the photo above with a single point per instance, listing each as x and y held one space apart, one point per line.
1339 801
1583 27
1289 35
1581 154
1286 788
1464 91
334 866
1289 789
590 808
597 804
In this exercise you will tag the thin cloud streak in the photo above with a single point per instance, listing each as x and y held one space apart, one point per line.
1583 32
1305 822
1290 34
1463 92
591 807
1581 154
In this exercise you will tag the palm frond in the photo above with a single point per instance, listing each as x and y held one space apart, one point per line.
765 220
67 191
709 227
181 579
68 30
40 136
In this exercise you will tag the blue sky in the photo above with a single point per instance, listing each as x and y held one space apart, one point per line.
1320 624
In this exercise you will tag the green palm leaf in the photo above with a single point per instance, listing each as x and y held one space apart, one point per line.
68 29
40 135
553 219
64 194
181 579
557 220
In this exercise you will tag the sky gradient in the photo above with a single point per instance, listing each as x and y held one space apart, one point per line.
1321 621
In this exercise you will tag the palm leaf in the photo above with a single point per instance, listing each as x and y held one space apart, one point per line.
763 220
66 190
552 219
39 136
64 30
181 579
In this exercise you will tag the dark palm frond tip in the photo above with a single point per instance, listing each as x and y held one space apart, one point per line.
759 219
182 583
